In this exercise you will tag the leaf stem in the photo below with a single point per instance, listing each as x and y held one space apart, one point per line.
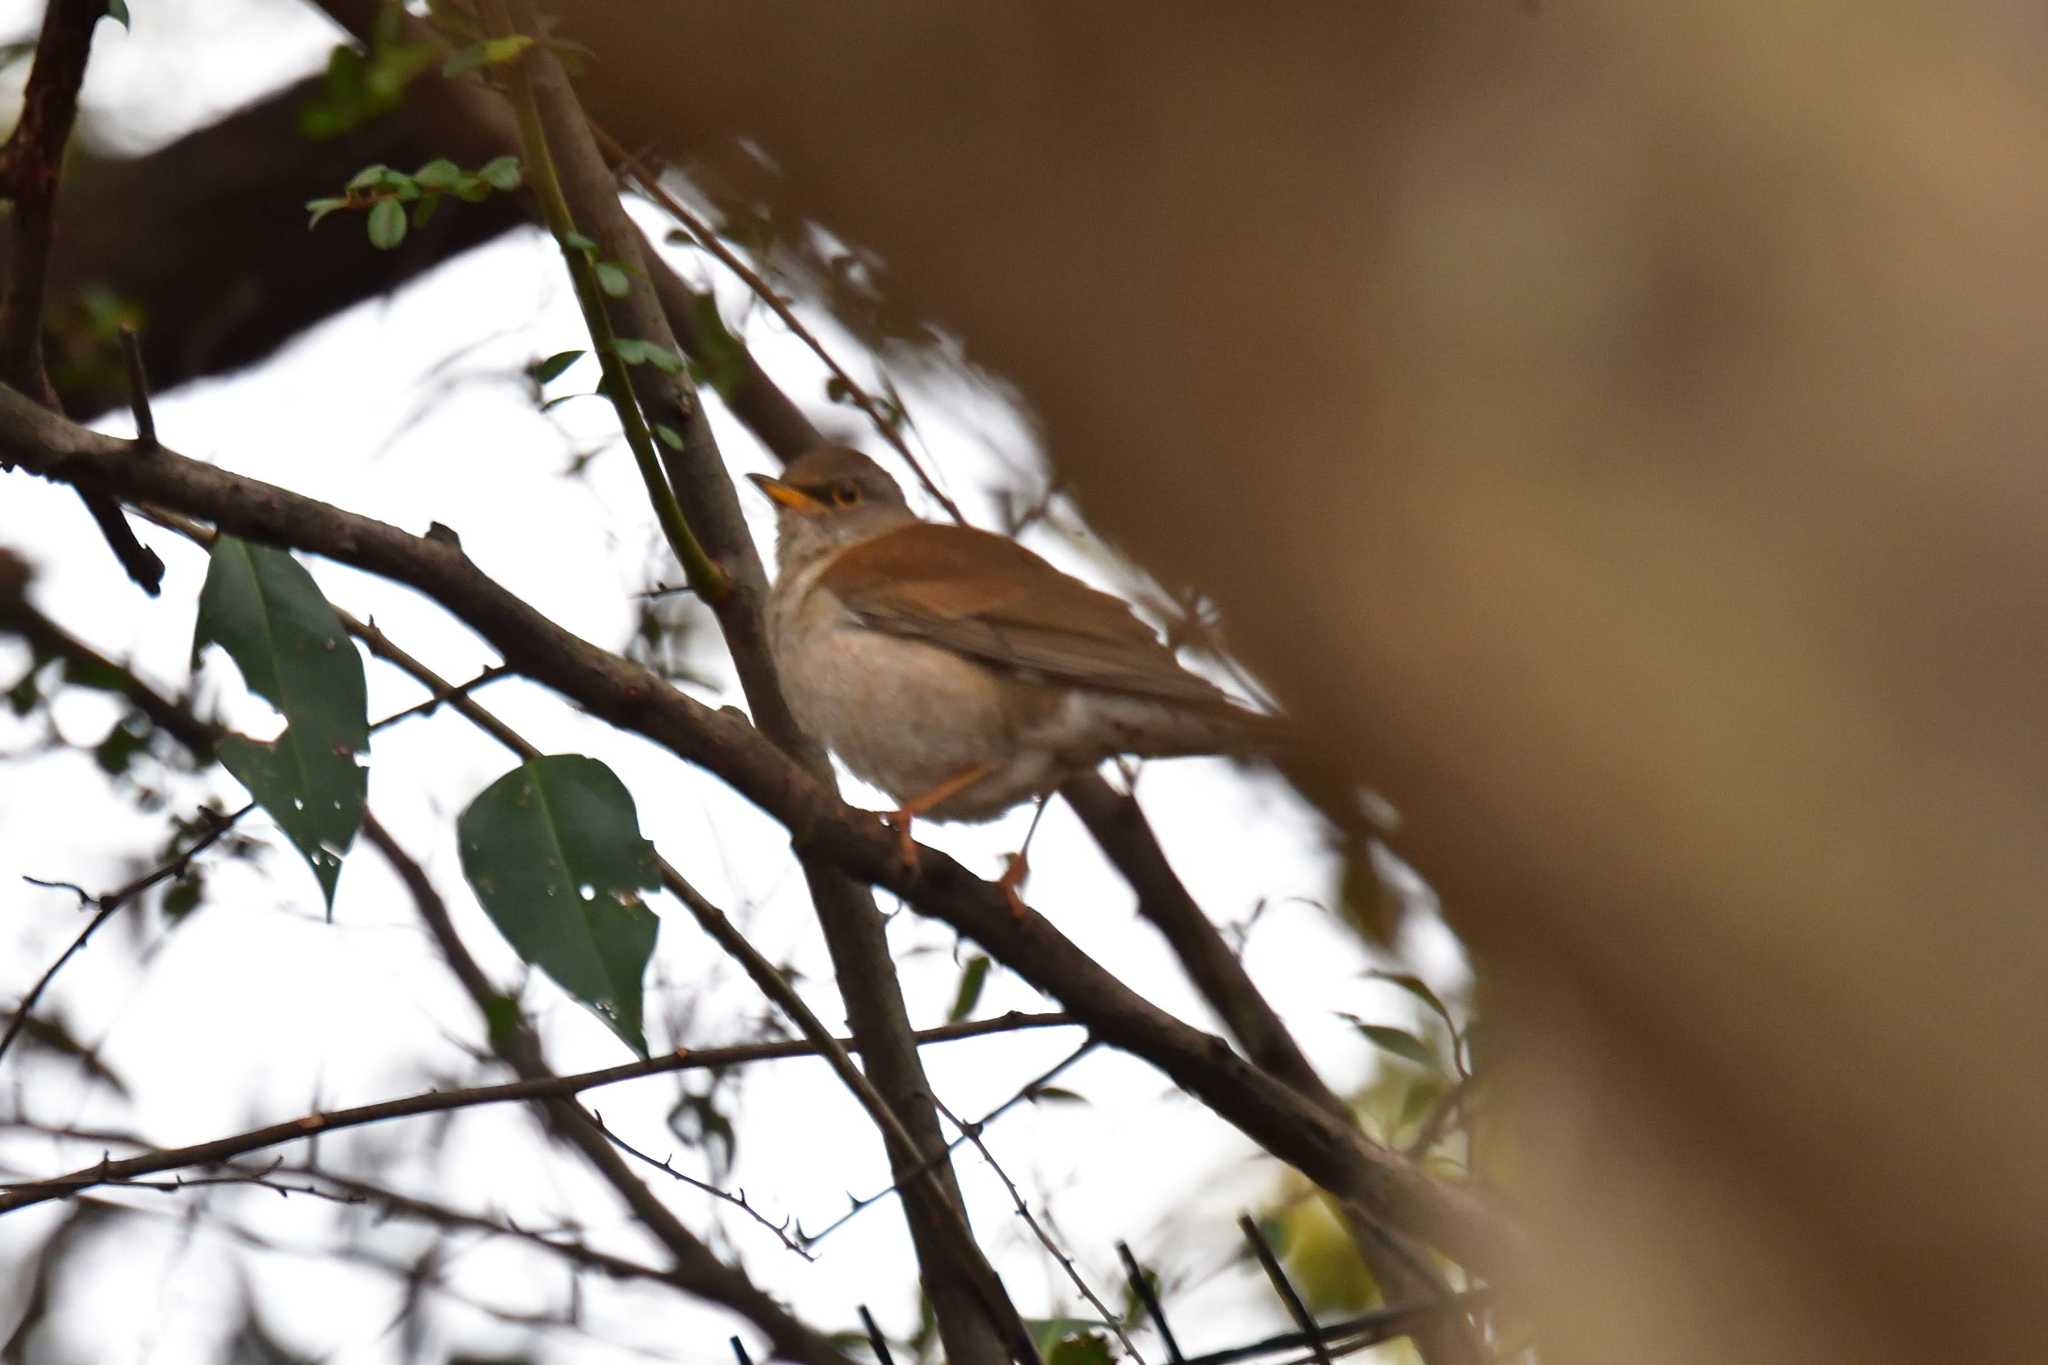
702 572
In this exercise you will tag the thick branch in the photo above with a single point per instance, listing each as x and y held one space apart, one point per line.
973 1311
1402 1269
29 167
1269 1112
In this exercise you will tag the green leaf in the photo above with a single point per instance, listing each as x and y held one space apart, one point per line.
576 241
464 62
501 173
438 174
669 436
613 280
1069 1341
122 744
1400 1042
636 351
1418 988
117 10
1054 1094
23 696
320 208
543 371
504 49
554 853
425 209
387 224
182 897
368 177
264 609
972 977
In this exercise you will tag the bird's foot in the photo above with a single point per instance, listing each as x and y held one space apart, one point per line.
1015 869
906 846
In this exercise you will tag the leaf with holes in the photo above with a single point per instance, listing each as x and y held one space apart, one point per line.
264 609
553 850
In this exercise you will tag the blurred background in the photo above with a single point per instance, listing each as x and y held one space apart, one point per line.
1609 428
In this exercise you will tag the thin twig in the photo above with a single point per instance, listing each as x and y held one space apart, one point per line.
1147 1295
109 904
21 1195
1045 1238
736 1198
650 184
1029 1089
138 388
1284 1287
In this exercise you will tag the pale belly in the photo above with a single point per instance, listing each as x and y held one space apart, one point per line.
907 716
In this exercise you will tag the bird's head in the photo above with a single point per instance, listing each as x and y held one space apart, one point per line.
829 498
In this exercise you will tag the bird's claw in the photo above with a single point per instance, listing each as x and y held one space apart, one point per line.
1015 870
906 847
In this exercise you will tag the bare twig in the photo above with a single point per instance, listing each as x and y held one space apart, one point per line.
650 184
107 906
967 1131
138 387
736 1198
1045 1239
616 690
1284 1287
29 166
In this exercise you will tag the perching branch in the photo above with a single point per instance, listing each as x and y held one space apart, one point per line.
1270 1113
977 1321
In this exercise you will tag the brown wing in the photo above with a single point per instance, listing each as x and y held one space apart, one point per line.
991 599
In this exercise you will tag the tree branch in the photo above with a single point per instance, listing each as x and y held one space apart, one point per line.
30 163
1402 1269
979 1324
1269 1112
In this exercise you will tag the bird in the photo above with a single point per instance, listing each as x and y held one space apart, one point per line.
954 669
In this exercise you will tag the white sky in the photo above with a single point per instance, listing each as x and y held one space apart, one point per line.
257 1009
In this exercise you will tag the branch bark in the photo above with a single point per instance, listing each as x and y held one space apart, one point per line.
977 1322
30 163
1268 1111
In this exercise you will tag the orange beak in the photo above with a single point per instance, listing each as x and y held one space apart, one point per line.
787 495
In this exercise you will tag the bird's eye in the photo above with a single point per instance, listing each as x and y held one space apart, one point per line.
845 493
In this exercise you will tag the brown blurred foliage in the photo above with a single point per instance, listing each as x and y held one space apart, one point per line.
1613 427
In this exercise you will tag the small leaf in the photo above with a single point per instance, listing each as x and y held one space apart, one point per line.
504 49
636 351
670 437
438 174
972 978
576 241
23 696
464 62
117 10
554 853
501 173
387 224
320 208
1054 1094
545 370
1400 1042
425 209
613 280
182 898
1418 988
122 744
367 177
262 607
1092 1349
